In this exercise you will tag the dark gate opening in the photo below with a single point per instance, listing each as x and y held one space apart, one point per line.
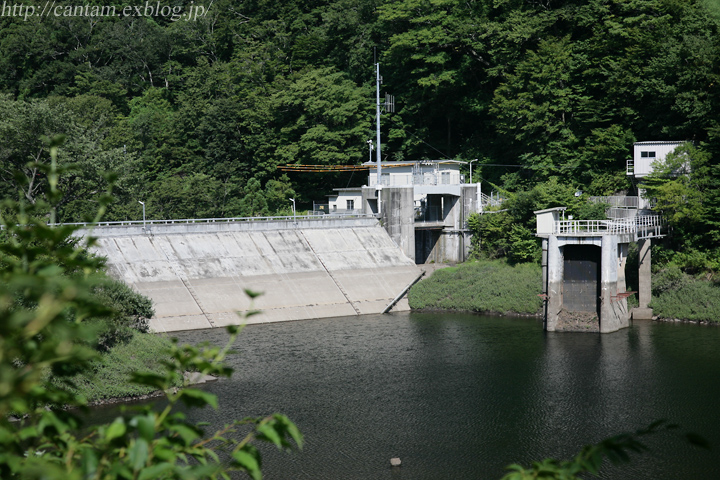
425 242
581 278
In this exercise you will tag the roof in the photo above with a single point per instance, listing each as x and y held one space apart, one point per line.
671 142
554 209
413 162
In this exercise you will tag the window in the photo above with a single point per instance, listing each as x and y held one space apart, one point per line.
647 154
350 204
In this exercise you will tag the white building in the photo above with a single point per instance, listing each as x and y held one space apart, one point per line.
346 201
423 204
645 153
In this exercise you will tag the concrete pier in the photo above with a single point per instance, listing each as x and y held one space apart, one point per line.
583 265
643 311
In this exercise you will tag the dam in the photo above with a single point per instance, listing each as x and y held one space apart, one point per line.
196 271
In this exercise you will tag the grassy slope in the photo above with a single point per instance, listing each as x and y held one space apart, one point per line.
109 377
696 301
481 286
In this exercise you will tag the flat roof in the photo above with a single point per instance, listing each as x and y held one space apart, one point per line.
663 142
554 209
413 162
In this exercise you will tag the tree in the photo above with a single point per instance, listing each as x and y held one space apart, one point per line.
685 189
37 291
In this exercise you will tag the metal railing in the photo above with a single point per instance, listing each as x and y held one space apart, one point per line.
617 201
426 178
639 224
624 201
492 200
189 221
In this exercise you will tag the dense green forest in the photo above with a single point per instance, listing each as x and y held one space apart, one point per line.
195 115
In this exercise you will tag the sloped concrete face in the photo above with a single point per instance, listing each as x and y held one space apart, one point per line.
197 280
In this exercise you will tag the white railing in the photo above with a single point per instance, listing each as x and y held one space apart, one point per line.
492 200
622 201
426 178
579 228
187 221
617 201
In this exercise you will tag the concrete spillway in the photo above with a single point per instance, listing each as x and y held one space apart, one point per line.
196 275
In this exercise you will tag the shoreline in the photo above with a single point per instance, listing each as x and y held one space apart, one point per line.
191 379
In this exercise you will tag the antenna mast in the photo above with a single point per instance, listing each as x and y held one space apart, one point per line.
378 79
389 105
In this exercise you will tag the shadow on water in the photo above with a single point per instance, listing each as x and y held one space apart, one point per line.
461 396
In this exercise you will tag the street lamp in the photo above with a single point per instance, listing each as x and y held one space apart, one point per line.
143 204
471 162
294 220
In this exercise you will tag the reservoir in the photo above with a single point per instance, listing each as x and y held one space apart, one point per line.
460 396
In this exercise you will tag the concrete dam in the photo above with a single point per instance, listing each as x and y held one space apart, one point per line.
196 273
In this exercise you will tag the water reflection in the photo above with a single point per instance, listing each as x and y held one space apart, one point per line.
461 396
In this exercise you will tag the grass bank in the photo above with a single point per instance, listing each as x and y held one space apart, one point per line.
677 295
109 377
481 286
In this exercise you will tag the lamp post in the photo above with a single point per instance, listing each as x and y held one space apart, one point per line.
143 204
471 162
294 220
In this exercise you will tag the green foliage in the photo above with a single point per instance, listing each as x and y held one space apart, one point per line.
510 231
481 286
131 312
49 299
686 188
108 376
616 449
671 290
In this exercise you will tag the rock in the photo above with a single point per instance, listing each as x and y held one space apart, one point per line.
395 462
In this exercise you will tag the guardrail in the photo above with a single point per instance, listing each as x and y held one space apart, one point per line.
624 201
640 224
188 221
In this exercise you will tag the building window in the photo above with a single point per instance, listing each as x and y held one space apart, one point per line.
647 154
350 204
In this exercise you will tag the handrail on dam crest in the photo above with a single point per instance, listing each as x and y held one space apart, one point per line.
188 221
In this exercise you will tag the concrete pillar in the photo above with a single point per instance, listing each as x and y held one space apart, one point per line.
398 215
555 267
623 249
369 200
644 281
544 265
612 316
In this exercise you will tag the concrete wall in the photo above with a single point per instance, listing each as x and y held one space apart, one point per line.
398 214
197 279
613 311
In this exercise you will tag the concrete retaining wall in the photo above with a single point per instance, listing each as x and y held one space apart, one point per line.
197 279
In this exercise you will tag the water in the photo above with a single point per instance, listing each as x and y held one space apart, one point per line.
461 396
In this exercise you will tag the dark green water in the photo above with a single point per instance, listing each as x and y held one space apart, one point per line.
461 396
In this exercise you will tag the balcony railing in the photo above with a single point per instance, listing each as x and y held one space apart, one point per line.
639 225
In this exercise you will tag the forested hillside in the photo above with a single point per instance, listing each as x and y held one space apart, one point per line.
195 115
